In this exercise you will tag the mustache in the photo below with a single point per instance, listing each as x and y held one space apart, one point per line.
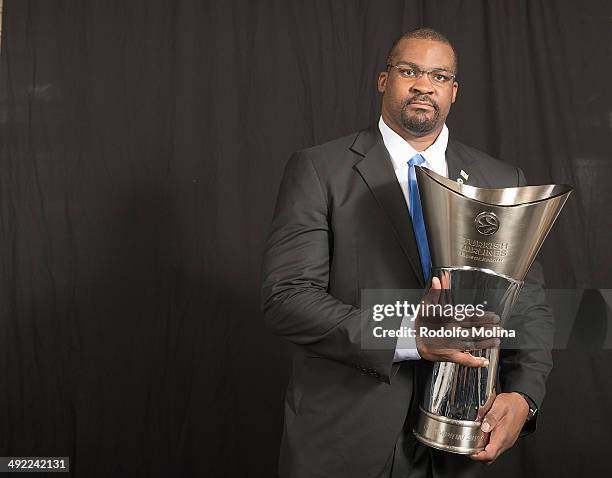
422 99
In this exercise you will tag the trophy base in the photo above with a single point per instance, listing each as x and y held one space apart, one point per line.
456 436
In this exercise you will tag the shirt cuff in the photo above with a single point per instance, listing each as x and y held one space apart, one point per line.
405 348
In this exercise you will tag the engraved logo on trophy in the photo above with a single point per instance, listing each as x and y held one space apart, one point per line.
486 223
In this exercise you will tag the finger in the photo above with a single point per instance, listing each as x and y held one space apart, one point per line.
487 326
493 417
463 339
445 280
467 359
435 283
483 344
487 320
474 331
477 343
460 345
496 446
481 456
446 285
490 318
433 295
481 332
489 454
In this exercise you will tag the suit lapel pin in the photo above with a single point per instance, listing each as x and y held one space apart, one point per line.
464 177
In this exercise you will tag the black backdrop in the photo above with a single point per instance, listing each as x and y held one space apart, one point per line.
142 146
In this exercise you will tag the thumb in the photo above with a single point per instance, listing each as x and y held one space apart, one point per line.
468 360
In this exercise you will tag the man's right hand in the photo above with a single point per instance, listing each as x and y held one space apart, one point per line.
452 349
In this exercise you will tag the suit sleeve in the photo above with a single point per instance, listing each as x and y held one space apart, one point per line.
296 301
526 366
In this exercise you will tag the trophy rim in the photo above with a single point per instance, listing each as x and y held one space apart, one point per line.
480 269
449 448
478 194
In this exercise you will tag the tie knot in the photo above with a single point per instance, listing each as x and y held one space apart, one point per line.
416 160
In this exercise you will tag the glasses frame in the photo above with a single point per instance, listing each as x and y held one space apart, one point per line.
398 67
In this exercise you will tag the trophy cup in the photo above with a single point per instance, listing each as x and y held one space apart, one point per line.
483 242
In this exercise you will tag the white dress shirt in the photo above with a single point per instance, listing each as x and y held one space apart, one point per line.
435 159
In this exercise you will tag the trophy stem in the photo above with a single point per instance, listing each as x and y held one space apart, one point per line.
456 398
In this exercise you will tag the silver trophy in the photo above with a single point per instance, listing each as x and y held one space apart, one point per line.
483 242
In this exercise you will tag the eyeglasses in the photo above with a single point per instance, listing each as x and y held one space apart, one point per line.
411 72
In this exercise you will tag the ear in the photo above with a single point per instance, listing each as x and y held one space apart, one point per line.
455 89
382 81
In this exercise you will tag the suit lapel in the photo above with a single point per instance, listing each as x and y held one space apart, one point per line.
457 161
377 171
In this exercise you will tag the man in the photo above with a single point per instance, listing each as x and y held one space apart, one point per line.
342 224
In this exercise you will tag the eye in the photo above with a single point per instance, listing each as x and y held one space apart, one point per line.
441 77
407 72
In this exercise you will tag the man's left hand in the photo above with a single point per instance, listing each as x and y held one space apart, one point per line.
505 421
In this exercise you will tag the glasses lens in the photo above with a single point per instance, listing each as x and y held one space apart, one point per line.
440 76
408 72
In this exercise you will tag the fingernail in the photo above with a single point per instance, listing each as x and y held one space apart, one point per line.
485 427
485 363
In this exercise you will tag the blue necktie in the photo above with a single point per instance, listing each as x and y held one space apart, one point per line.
416 212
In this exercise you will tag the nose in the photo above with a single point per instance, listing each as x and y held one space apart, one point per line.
422 85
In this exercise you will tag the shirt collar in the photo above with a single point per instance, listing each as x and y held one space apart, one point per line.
401 152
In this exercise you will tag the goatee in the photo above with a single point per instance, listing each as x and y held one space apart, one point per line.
418 123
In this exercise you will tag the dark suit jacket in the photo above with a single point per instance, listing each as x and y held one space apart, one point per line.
341 225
